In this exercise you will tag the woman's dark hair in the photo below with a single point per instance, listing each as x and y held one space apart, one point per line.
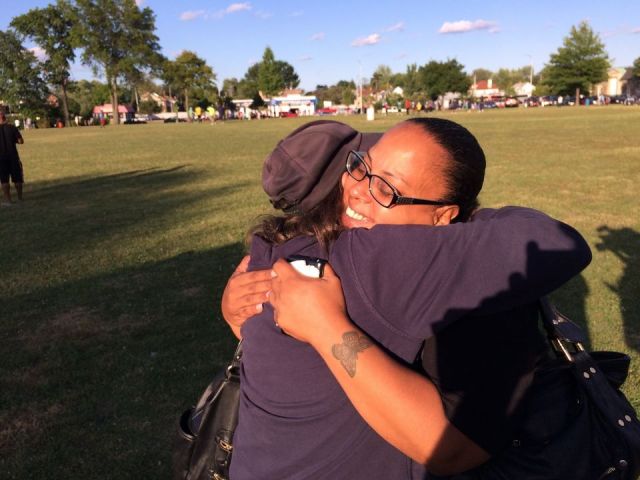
321 222
465 170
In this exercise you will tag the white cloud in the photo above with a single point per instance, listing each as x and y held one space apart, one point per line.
233 8
39 53
397 27
263 15
299 13
317 36
463 26
237 7
305 58
139 2
636 30
368 40
191 15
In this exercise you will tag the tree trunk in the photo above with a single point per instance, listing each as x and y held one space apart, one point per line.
186 104
135 92
114 101
65 104
578 97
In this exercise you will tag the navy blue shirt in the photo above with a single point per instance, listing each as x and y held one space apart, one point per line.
402 284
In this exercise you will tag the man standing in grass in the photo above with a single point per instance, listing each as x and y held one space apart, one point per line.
10 165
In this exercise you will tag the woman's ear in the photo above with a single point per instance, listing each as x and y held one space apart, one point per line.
445 215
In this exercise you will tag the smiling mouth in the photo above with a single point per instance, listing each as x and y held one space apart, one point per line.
355 215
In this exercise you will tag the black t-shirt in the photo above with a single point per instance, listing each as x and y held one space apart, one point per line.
483 368
9 136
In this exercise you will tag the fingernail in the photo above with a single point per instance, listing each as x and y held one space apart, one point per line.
259 308
268 294
273 274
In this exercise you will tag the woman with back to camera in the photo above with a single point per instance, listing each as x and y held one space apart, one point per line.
404 281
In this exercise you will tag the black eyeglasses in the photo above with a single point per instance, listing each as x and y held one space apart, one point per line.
382 191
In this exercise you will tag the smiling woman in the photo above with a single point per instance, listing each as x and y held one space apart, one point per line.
345 402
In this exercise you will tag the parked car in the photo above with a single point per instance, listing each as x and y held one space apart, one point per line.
531 102
511 102
288 114
327 111
548 100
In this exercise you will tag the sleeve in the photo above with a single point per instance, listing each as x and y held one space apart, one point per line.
421 278
16 135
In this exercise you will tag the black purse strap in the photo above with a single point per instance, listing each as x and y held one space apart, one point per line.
566 339
563 334
237 356
232 372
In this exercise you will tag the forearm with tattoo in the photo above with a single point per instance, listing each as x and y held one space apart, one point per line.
347 351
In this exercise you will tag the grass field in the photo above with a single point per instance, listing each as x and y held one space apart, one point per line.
111 271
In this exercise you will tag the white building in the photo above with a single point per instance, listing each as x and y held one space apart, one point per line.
295 104
524 89
485 88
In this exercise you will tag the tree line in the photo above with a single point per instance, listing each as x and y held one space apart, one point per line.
117 39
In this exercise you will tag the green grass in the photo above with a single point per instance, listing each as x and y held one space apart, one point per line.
112 268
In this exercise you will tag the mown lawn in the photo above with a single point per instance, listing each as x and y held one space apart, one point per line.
112 269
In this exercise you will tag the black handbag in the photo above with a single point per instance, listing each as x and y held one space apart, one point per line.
577 424
203 443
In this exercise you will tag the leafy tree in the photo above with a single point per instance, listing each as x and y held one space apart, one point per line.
85 94
506 78
230 87
412 82
270 80
248 86
342 93
269 76
580 63
289 76
148 106
381 78
21 84
257 102
481 74
118 38
397 80
191 75
438 78
635 70
51 29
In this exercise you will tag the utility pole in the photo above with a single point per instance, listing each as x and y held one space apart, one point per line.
360 87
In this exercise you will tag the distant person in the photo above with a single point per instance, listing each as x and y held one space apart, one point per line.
10 165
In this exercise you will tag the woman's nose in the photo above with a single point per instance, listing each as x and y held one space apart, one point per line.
358 189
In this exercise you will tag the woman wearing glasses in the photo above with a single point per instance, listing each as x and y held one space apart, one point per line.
468 288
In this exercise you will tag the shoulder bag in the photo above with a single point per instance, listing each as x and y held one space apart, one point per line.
576 424
203 443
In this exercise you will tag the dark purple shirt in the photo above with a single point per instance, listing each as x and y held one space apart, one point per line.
402 284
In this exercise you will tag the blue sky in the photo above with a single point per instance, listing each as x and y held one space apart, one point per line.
330 40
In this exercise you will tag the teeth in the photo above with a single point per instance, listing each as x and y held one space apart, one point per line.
355 215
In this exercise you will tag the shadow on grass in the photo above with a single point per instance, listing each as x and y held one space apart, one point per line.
96 367
65 216
94 390
571 300
624 243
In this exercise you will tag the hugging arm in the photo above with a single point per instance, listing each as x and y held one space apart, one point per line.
417 277
401 405
244 295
